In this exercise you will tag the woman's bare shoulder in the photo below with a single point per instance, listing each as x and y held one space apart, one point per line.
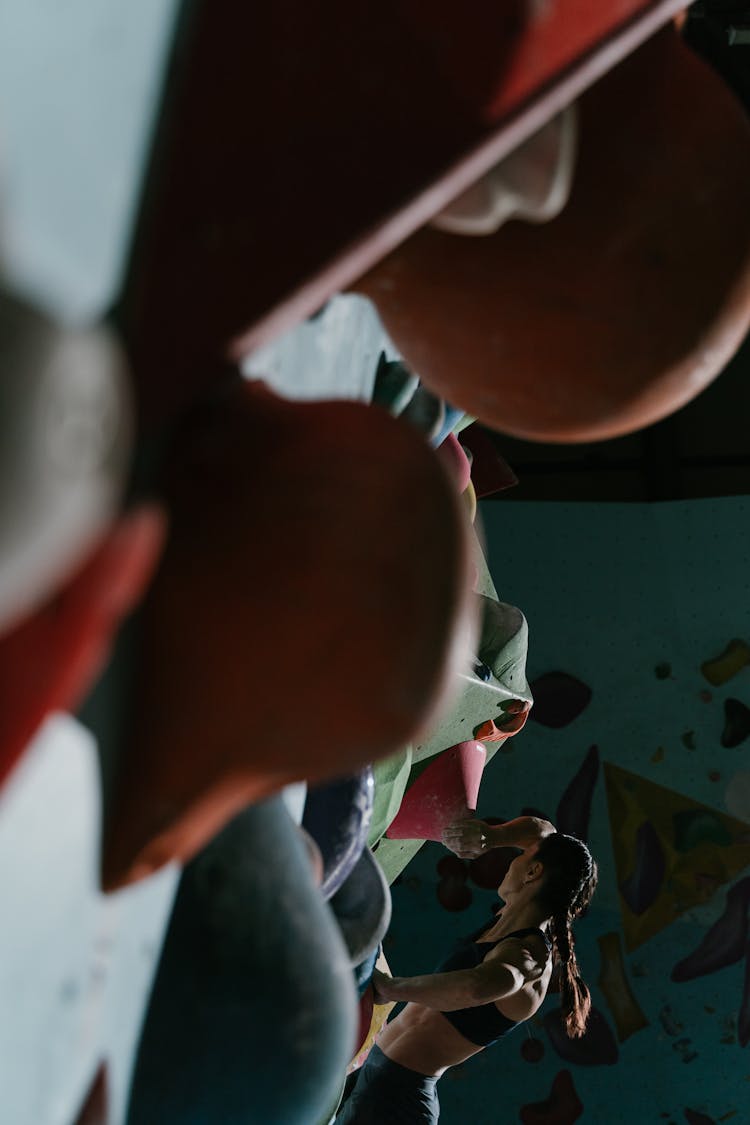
528 953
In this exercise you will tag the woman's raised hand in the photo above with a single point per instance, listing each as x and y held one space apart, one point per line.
467 838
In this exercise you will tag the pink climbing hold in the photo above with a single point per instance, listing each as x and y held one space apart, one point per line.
452 454
445 791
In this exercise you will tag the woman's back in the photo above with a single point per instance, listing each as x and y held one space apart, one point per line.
430 1041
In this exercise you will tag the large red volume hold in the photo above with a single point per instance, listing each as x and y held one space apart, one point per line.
624 307
312 606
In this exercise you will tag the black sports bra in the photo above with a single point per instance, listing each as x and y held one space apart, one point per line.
485 1023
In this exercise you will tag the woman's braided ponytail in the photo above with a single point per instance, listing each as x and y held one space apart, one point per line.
571 877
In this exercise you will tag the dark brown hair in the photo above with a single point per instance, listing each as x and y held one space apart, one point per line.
570 881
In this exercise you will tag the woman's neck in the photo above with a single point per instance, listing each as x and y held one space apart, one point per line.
518 916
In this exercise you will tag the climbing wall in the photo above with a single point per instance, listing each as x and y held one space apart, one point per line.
640 741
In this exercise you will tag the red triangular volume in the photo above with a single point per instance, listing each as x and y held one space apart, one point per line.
445 791
490 472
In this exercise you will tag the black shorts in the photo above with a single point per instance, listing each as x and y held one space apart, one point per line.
386 1092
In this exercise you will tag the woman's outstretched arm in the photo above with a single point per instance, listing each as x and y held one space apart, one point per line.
498 976
446 992
471 838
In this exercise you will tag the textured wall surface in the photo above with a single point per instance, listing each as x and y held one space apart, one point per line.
630 601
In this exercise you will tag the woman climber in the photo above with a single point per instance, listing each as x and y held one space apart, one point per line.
490 982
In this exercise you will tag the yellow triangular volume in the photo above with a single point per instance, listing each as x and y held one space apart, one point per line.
671 852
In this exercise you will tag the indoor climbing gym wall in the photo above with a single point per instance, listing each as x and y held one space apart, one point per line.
251 657
638 741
